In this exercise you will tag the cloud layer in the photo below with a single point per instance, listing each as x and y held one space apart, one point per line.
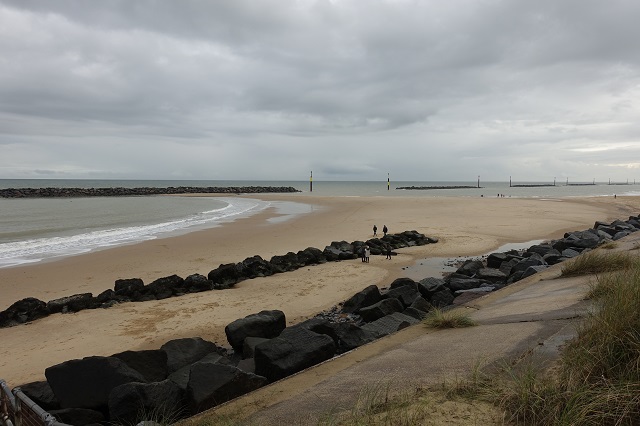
353 90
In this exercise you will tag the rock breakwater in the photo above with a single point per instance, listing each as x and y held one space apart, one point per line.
141 191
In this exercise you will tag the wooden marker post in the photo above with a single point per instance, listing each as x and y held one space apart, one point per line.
311 182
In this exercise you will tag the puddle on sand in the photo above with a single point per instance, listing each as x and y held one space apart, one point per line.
438 266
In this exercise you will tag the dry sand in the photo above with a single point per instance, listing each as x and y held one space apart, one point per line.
464 226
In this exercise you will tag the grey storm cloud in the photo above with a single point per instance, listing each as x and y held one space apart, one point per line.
425 90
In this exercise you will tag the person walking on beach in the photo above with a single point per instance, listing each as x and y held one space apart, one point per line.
363 254
375 230
367 253
389 251
385 230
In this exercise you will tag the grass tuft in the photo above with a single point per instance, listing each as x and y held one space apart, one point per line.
597 262
448 319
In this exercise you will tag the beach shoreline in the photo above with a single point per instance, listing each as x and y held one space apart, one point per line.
464 227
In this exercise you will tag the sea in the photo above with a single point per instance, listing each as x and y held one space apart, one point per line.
42 229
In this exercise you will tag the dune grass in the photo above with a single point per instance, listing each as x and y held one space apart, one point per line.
440 319
597 381
598 262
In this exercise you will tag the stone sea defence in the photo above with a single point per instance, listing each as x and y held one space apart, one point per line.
128 192
223 277
423 188
187 376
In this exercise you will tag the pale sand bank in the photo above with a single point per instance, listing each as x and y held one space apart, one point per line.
465 226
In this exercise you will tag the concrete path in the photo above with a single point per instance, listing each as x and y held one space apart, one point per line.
534 316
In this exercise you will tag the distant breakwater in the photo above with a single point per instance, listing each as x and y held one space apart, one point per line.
439 187
126 192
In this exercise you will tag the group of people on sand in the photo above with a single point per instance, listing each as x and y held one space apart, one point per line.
384 230
366 250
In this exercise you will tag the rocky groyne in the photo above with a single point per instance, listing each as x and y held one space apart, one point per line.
223 277
424 188
143 191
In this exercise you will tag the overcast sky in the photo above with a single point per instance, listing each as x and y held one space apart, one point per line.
351 90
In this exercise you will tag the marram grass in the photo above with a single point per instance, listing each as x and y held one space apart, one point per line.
448 319
598 262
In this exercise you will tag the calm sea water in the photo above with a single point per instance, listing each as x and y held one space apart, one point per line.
32 230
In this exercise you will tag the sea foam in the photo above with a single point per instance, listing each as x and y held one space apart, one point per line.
38 249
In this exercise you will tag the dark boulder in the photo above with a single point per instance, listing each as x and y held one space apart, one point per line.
249 346
109 296
621 234
294 350
130 287
494 260
181 376
491 275
75 303
570 253
534 260
470 267
87 382
152 364
406 294
401 282
421 304
254 267
321 326
196 283
350 336
507 266
78 416
441 298
267 324
366 297
380 309
415 313
286 263
540 249
22 311
165 287
457 282
42 394
211 384
182 352
311 256
531 270
339 250
161 402
430 286
389 324
226 275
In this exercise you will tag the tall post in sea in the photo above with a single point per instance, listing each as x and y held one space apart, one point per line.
554 181
388 182
509 181
478 181
311 182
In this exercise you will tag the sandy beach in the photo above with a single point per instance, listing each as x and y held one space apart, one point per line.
464 227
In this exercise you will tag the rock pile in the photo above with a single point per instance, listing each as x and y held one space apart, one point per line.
127 192
223 277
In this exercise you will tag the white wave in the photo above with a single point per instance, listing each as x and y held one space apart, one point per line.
34 250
